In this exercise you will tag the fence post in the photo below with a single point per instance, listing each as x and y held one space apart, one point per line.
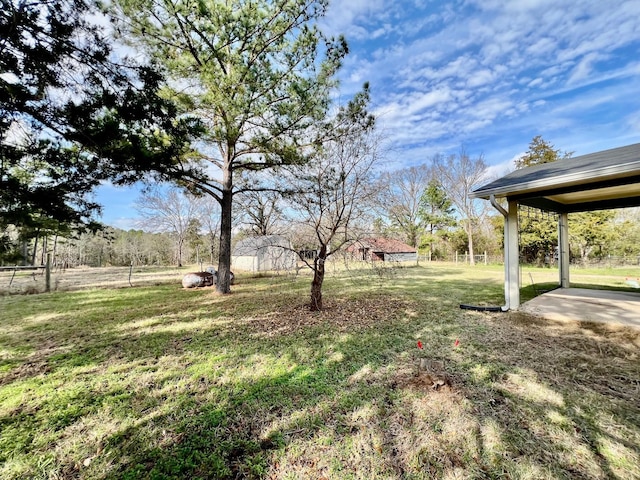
47 274
485 257
456 257
16 269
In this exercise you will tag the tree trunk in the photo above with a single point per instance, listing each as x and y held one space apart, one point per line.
35 250
585 251
224 255
412 238
25 252
55 249
180 244
318 278
472 259
43 251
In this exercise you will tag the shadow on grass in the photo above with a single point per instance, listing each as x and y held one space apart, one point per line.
193 385
246 434
559 391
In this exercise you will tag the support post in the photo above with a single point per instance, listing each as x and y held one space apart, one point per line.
512 257
563 249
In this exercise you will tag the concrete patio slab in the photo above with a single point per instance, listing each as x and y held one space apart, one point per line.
585 305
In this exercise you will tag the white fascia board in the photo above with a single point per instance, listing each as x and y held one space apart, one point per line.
568 179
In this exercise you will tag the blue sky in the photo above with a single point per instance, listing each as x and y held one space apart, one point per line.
488 75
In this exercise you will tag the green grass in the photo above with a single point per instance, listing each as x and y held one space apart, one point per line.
160 382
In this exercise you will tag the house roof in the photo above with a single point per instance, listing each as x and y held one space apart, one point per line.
596 181
385 245
250 246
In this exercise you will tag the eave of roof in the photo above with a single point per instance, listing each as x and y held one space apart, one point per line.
607 179
385 245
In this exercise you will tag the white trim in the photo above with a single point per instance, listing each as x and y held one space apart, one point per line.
512 257
568 179
563 253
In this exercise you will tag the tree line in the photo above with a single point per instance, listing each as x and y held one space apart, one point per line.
230 103
413 204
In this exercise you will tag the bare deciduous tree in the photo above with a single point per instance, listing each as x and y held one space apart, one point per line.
335 190
400 199
459 175
169 212
209 216
261 211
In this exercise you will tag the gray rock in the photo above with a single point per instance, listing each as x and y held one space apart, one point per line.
198 279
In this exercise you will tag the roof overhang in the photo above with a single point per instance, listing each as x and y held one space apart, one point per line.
597 181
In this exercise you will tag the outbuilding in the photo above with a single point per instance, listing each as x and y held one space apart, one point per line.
383 249
263 253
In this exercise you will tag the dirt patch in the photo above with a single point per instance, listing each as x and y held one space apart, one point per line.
342 314
26 370
424 377
427 382
35 364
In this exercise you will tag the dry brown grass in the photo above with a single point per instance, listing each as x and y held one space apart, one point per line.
33 281
161 382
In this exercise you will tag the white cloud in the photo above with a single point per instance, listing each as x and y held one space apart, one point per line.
542 46
493 62
480 78
584 69
346 17
421 101
502 168
536 82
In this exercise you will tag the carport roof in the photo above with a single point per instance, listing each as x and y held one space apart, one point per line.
596 181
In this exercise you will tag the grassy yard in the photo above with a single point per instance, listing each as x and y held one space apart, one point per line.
160 382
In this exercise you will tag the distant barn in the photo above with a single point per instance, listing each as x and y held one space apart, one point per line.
265 253
383 249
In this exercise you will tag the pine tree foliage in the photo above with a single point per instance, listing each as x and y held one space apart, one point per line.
70 116
541 151
436 211
257 73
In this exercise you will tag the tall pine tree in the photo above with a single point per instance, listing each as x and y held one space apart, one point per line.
257 73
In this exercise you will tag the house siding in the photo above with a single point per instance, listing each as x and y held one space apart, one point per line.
401 257
255 256
244 262
382 250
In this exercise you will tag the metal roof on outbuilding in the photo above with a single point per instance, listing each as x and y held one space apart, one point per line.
596 181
